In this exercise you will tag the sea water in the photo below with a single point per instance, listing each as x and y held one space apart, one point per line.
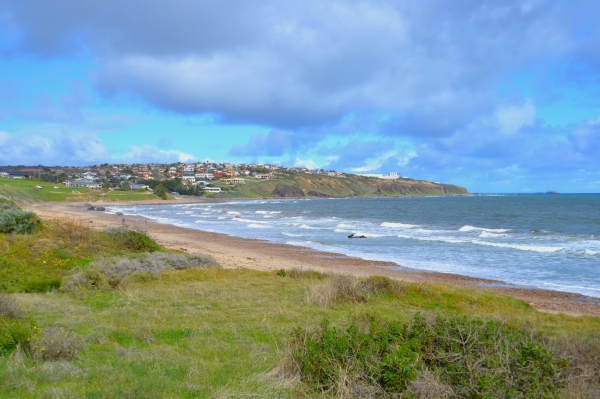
537 240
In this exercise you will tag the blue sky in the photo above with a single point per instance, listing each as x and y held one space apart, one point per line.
497 96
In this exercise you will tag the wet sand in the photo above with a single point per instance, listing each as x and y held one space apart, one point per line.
235 252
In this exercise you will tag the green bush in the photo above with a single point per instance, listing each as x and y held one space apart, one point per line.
19 222
467 358
160 191
14 333
41 285
133 240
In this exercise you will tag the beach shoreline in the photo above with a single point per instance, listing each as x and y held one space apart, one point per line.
234 252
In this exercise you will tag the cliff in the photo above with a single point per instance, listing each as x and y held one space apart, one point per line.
300 185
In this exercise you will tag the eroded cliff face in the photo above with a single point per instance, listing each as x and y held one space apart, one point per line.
286 190
300 185
420 188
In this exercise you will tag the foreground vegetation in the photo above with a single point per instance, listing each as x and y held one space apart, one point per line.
125 318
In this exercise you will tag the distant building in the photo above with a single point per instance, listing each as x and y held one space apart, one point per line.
84 183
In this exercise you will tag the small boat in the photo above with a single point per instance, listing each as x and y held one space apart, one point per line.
551 191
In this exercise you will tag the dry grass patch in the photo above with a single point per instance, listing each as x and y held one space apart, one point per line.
345 289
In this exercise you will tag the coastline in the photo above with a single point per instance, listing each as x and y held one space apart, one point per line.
233 252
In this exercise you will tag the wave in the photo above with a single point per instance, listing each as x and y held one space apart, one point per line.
258 226
398 225
292 234
487 234
305 226
533 248
473 228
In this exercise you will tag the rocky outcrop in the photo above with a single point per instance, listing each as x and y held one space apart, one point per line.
318 194
285 190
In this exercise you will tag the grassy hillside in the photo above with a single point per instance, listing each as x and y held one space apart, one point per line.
24 191
227 333
351 185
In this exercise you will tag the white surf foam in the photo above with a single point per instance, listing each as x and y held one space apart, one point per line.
473 228
532 248
258 226
305 226
398 225
487 234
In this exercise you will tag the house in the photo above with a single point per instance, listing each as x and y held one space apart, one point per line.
84 183
136 186
202 183
264 176
189 178
234 180
89 176
212 189
204 176
218 175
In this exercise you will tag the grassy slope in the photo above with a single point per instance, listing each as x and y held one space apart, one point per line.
23 191
343 187
201 333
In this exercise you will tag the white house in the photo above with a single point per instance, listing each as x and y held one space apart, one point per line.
89 176
84 183
202 183
212 189
189 178
205 176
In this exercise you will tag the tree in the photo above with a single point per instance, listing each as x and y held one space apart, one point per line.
160 191
126 186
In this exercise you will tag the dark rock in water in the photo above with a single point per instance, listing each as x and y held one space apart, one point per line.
285 190
100 208
119 213
355 236
318 194
91 208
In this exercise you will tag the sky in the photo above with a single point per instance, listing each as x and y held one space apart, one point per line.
496 96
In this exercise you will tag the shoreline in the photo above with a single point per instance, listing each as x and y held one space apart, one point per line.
263 255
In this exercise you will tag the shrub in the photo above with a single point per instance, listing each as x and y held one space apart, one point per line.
457 356
160 191
349 290
53 344
14 333
133 240
41 285
112 272
8 307
301 274
19 222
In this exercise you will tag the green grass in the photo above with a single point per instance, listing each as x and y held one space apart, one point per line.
211 332
208 332
22 190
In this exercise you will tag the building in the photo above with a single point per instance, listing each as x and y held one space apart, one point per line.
234 180
213 189
84 183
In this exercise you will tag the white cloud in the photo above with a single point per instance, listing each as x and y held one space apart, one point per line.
307 163
402 159
148 153
512 118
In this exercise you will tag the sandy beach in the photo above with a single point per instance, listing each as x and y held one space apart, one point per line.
235 252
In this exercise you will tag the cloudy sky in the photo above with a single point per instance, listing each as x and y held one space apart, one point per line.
497 96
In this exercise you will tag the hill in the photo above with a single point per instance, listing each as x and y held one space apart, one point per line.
310 185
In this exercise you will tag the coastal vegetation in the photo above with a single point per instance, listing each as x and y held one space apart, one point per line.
126 318
282 185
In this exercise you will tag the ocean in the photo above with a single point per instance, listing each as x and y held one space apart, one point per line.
530 240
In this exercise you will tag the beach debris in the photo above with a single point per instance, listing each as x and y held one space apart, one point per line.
353 235
96 208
